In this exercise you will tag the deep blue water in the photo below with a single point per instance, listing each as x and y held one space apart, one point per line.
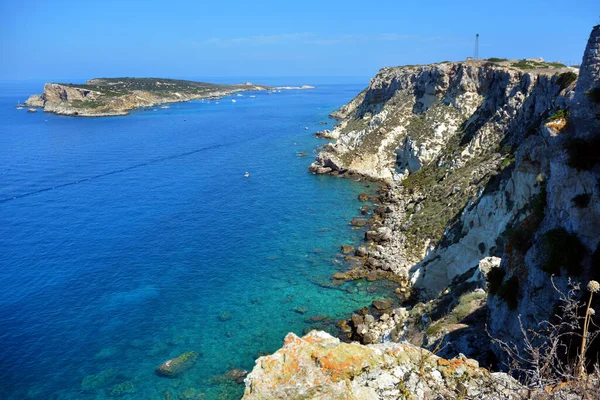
126 241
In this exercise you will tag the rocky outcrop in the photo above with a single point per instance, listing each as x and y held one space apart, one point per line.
110 97
319 366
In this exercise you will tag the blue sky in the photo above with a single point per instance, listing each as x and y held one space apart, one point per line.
89 38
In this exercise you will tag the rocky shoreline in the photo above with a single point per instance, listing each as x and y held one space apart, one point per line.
103 97
489 206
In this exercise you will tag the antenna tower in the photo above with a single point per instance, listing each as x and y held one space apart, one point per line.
476 47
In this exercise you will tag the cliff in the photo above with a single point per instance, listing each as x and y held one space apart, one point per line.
491 203
117 96
444 138
556 240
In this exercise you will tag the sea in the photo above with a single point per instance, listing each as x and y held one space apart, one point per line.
128 241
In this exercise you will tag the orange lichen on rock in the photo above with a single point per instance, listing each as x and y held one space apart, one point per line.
319 366
343 363
557 125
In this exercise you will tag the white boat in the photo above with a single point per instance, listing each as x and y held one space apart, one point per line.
165 107
216 102
233 101
19 107
253 96
240 95
31 110
247 174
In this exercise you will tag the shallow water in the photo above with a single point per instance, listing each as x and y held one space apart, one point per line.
126 241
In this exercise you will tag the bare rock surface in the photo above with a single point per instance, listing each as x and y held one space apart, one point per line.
319 366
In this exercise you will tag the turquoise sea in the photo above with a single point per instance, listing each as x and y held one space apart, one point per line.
127 241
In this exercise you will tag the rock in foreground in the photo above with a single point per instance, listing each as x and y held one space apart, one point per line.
319 366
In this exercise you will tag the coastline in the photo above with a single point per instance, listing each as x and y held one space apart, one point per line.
106 97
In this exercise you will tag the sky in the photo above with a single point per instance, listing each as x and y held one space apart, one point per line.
178 39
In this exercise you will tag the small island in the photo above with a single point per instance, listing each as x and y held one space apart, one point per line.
101 97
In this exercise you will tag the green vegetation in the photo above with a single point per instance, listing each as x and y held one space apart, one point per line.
466 306
583 154
507 161
556 65
509 292
467 303
495 59
532 64
87 104
581 200
558 115
494 279
562 250
566 79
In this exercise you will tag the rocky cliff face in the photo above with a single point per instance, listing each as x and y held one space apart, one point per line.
557 237
480 160
445 138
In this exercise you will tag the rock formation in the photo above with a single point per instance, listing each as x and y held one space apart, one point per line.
319 366
117 96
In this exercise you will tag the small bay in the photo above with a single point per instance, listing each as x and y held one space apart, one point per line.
127 241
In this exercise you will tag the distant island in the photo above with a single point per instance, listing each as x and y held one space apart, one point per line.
101 97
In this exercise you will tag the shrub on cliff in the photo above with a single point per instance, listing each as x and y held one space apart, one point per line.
555 359
560 114
509 292
562 249
583 154
494 279
594 95
581 200
565 79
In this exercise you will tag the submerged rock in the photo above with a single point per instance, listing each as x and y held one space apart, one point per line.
121 389
382 304
237 375
347 249
359 221
364 197
176 366
99 380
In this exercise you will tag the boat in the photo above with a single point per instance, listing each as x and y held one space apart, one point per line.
31 110
19 107
240 95
247 174
253 96
233 101
216 102
165 107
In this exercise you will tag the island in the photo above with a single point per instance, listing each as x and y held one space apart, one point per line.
101 97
